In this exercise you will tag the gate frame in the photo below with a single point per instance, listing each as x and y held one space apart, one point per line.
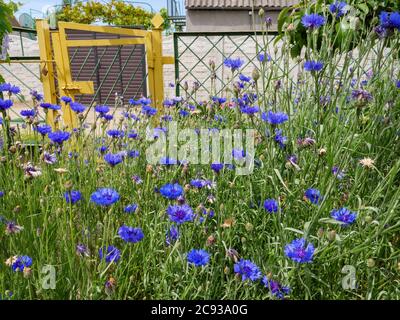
151 39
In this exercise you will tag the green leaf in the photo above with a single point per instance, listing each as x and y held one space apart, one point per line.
283 16
363 7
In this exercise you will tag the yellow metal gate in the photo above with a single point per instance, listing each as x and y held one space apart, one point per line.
55 61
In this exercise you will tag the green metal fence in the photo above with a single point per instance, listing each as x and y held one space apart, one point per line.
194 50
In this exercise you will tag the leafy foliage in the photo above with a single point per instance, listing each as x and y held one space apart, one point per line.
115 12
359 13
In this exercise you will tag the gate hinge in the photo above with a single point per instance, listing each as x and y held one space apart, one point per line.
82 87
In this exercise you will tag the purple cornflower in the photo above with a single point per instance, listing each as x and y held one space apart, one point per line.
130 234
198 258
338 8
180 213
200 183
275 287
49 158
361 95
36 96
299 251
82 250
247 269
312 21
344 215
172 235
338 173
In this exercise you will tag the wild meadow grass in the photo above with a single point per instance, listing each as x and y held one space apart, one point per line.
330 125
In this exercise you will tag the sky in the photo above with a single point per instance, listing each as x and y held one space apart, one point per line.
36 7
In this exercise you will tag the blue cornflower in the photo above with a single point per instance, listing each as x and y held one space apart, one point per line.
36 96
106 116
1 122
59 136
102 109
132 134
130 234
344 215
171 190
1 194
111 254
299 251
180 213
183 113
200 183
234 64
247 269
313 195
5 104
313 66
238 154
312 21
133 153
250 110
43 129
172 235
66 99
244 78
21 262
280 138
217 167
338 173
361 95
398 84
262 57
219 100
131 208
144 101
198 257
50 106
338 8
77 107
9 88
274 118
149 111
113 158
275 287
271 205
166 118
168 161
390 20
113 133
28 113
104 196
72 196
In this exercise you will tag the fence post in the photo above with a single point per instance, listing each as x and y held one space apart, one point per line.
46 67
158 77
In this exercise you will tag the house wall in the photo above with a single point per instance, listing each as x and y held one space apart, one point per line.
226 20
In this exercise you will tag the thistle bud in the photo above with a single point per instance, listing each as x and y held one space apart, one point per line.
370 263
322 152
261 12
255 74
27 272
249 227
332 235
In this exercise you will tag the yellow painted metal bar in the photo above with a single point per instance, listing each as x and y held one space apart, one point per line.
158 79
80 87
64 75
102 29
104 42
150 64
168 60
46 68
